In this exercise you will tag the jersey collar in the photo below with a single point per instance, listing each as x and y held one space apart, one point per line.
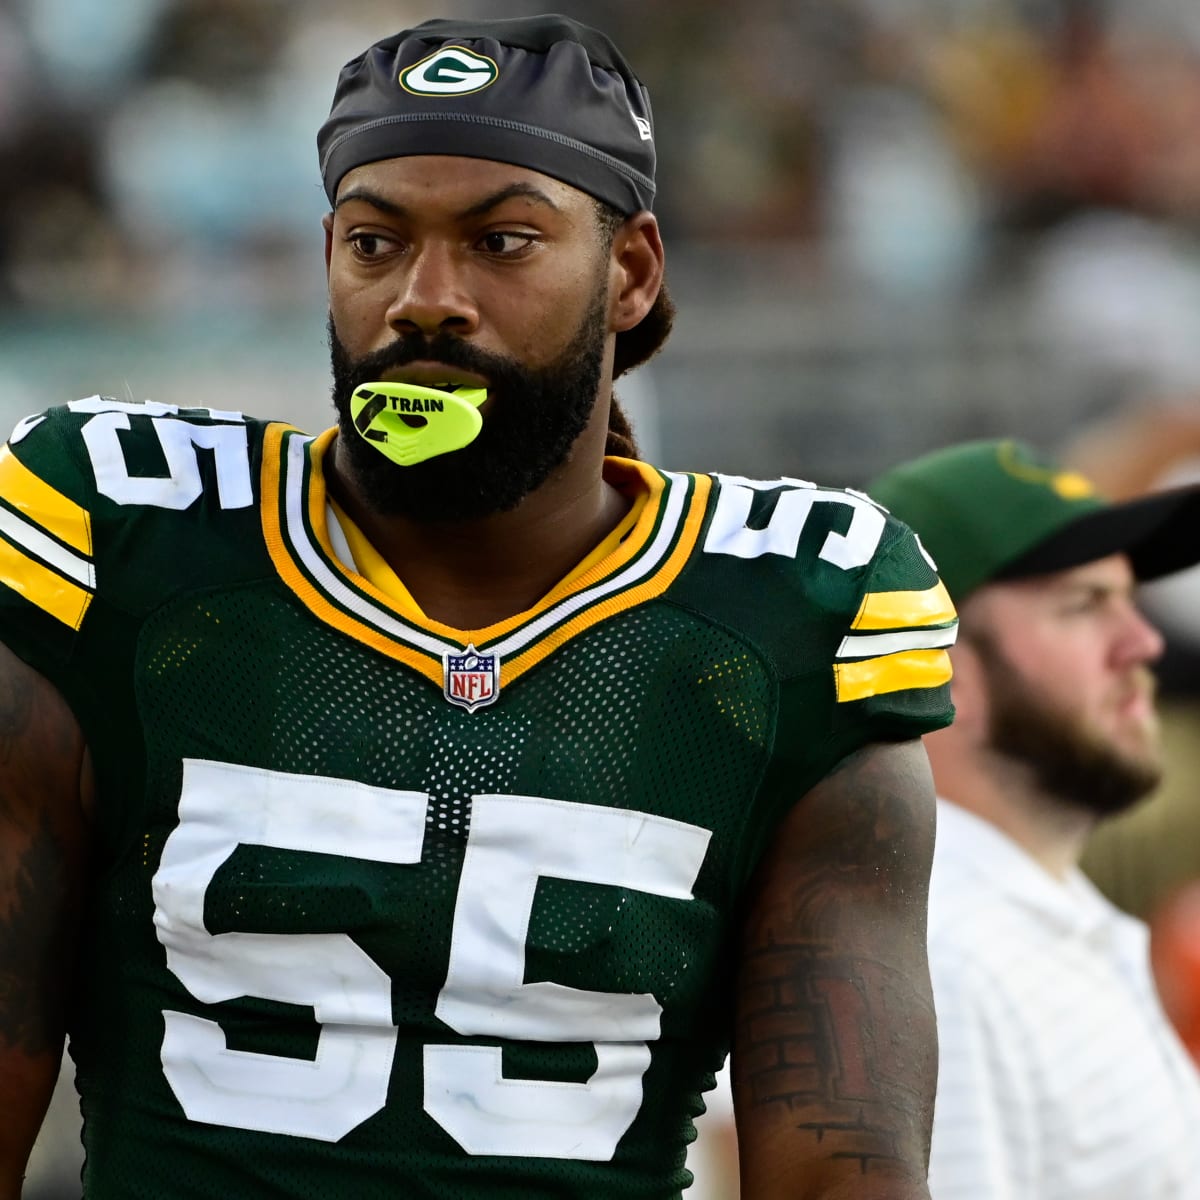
639 568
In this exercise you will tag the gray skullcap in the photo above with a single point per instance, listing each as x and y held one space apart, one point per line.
541 92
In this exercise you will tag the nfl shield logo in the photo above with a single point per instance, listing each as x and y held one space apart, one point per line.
471 679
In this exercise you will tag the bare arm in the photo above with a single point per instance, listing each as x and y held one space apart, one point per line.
42 864
835 1050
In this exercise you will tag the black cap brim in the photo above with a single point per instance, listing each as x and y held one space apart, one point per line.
1160 533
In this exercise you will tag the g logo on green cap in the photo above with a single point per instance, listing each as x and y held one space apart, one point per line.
1069 485
409 423
450 71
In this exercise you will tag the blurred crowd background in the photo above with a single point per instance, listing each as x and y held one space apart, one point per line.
890 224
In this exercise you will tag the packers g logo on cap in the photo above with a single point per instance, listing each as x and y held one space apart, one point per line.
450 71
1069 485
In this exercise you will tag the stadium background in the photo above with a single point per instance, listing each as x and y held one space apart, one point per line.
890 224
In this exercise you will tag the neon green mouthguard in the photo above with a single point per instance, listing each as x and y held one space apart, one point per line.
409 423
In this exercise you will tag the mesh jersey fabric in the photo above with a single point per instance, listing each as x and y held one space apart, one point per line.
347 936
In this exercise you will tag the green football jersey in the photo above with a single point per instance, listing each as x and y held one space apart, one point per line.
386 908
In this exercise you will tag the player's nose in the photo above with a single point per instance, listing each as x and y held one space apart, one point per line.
430 296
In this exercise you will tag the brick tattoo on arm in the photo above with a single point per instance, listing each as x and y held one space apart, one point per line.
835 1045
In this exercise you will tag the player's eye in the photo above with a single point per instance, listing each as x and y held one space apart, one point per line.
505 242
370 245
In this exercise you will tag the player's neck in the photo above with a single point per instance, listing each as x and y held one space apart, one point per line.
471 574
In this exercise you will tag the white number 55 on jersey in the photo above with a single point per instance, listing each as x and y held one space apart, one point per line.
514 840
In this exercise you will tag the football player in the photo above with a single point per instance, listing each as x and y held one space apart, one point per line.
426 807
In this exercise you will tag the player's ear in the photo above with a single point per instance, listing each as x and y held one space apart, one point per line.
636 270
327 225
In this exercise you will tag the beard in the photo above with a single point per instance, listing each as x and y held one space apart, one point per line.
535 416
1067 759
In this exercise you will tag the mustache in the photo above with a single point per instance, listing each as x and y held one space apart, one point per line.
443 348
1141 681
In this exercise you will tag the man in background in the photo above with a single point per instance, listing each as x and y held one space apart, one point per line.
1059 1076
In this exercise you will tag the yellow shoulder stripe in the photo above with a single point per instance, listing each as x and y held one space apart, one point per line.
46 588
44 506
891 673
900 610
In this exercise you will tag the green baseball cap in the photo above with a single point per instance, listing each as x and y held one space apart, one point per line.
993 510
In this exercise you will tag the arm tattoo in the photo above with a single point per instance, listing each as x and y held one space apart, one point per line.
835 1024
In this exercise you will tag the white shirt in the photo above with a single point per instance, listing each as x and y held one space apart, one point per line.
1059 1078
